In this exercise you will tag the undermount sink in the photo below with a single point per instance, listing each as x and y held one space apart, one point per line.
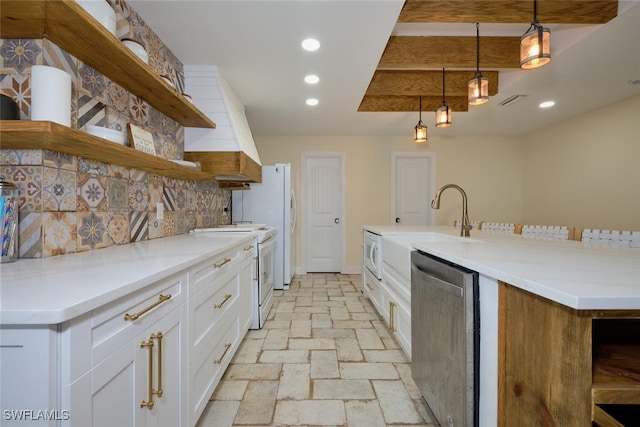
440 238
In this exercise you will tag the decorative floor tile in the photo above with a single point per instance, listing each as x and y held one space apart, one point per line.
118 228
19 54
60 233
59 160
397 406
230 390
118 194
30 228
294 381
219 414
313 412
20 157
364 413
18 87
92 193
169 226
138 196
92 231
59 190
257 406
29 180
92 166
324 364
138 227
343 389
156 226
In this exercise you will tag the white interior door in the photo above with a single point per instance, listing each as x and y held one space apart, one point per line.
413 188
323 212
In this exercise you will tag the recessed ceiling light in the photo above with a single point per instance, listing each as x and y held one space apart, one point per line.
310 44
547 104
311 79
635 81
312 101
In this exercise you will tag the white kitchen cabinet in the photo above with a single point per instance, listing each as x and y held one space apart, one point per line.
29 378
138 348
396 308
220 313
371 287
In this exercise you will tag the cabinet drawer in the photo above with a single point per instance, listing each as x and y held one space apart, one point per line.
205 273
209 365
371 287
397 284
208 307
114 324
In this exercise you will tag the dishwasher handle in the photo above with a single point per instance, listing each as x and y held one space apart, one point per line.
426 279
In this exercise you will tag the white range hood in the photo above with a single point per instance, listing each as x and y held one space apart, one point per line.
228 151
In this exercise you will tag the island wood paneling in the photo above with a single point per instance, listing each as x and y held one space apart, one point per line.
545 365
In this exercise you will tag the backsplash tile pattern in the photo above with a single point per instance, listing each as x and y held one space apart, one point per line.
70 204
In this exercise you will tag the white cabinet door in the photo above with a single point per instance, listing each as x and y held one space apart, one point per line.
164 371
112 399
247 293
28 361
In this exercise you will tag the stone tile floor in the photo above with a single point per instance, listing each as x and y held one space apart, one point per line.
324 357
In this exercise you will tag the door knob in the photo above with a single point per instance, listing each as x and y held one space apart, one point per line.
397 220
337 220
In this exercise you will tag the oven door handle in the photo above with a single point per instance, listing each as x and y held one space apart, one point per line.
374 246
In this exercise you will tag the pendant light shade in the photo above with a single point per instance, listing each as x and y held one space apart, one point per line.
535 45
420 131
478 92
443 113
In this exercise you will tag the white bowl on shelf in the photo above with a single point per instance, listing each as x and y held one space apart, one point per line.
102 12
137 48
106 133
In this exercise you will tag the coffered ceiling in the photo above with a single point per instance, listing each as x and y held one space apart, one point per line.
377 57
406 68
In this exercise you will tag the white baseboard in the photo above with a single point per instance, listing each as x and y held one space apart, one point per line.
351 269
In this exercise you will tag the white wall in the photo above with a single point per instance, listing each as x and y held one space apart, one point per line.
489 169
585 172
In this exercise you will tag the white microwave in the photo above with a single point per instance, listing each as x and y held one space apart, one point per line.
372 253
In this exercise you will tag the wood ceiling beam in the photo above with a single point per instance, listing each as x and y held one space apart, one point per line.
426 83
393 103
450 52
509 11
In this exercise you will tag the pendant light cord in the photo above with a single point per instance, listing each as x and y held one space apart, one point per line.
478 47
443 98
420 111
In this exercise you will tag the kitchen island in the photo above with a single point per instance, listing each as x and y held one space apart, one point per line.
147 328
548 308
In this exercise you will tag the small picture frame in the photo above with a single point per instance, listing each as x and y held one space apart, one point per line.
141 140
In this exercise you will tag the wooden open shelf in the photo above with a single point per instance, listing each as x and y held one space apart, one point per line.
23 134
69 26
616 374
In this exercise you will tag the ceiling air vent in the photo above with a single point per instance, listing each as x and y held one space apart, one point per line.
510 100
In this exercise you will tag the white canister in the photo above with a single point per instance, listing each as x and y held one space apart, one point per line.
50 95
102 12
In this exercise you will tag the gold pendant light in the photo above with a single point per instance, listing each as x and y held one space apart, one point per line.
420 131
478 92
535 45
443 114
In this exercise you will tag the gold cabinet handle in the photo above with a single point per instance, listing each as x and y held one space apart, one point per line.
248 248
226 260
135 316
158 337
226 298
149 403
226 348
392 326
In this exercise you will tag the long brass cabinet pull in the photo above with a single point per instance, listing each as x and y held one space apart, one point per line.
135 316
226 348
159 391
248 248
158 337
392 326
226 260
149 403
226 298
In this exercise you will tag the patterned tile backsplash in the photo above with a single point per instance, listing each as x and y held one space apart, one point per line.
70 204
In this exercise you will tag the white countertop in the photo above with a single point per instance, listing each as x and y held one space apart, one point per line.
57 289
579 275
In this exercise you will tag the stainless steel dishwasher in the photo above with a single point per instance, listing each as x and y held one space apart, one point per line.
445 338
